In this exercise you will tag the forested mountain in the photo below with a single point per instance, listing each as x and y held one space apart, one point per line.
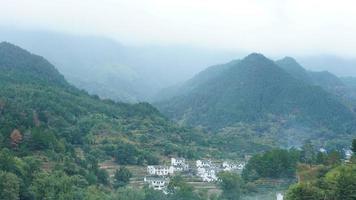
49 126
256 89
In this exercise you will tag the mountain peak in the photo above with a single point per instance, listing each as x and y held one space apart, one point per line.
289 59
255 56
289 62
256 60
291 66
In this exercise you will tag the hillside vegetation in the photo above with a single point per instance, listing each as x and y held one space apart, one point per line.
49 126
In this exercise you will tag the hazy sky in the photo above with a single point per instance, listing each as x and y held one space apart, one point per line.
273 27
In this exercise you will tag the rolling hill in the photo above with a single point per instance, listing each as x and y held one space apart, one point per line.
256 89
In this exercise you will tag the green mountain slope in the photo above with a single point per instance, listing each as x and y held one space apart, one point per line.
324 79
37 101
256 89
52 132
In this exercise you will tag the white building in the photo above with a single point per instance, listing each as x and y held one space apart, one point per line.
241 166
228 166
322 150
157 183
203 163
279 196
177 161
348 154
160 170
179 164
207 174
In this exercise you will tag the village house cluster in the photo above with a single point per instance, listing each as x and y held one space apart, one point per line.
206 170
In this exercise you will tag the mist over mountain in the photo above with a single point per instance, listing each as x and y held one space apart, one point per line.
325 79
111 70
335 64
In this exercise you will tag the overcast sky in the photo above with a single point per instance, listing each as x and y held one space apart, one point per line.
274 27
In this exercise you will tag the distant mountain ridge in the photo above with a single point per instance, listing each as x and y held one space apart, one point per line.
254 89
107 68
325 79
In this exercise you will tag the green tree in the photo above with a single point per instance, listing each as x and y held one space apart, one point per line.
321 158
353 147
96 193
126 154
54 185
7 161
277 163
42 139
231 185
151 194
129 194
180 190
308 154
103 176
341 182
302 191
122 177
333 158
9 186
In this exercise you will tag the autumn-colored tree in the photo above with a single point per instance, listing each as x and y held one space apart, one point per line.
16 137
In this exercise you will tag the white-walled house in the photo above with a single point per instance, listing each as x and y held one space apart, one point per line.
207 174
348 154
177 161
179 164
241 166
279 196
157 183
322 150
160 170
203 163
229 166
